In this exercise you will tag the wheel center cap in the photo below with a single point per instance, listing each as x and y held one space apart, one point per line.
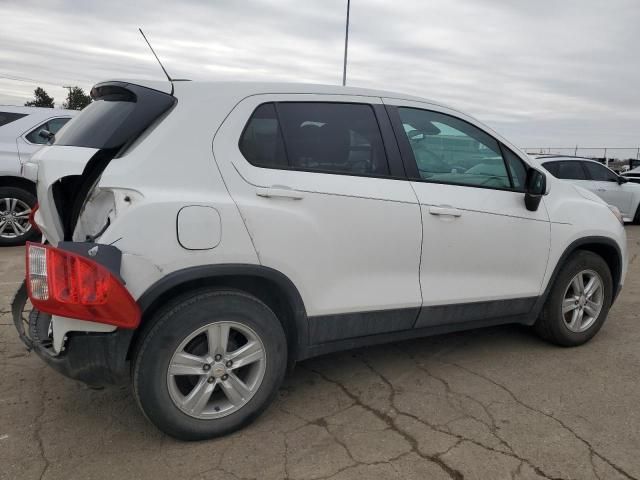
582 301
218 370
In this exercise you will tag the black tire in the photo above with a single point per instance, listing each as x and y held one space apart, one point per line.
28 198
176 322
551 324
636 217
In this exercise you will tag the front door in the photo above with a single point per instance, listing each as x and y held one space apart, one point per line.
321 191
484 254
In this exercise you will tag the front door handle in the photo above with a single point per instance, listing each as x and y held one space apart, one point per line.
445 210
279 192
600 190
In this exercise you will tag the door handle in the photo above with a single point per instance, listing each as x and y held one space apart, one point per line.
279 192
601 190
445 210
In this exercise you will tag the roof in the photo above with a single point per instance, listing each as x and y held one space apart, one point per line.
40 110
253 87
564 158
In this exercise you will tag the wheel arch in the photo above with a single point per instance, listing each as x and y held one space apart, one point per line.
270 286
604 247
18 182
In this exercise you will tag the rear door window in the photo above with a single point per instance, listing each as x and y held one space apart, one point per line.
53 126
316 136
571 170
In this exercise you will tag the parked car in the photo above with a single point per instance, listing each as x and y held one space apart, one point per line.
20 138
632 175
202 237
597 178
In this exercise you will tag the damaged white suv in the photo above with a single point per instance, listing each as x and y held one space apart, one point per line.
202 237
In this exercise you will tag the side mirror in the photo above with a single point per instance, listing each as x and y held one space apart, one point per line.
535 188
46 134
622 180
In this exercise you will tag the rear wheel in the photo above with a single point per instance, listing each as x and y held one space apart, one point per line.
211 363
15 208
579 301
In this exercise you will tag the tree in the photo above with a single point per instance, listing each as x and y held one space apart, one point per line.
41 99
76 99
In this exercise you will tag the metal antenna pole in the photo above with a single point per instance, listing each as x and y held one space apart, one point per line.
346 46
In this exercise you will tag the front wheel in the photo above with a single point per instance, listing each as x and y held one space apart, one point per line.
210 364
579 301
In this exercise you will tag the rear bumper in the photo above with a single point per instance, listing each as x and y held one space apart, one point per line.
96 359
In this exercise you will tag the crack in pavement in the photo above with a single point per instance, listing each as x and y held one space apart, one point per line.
38 424
460 438
452 472
592 450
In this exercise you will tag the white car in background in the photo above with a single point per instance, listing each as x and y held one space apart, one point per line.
604 182
632 175
20 138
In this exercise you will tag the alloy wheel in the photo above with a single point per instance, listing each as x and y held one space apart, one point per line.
583 301
14 218
216 370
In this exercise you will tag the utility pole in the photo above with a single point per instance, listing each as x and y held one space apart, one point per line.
346 46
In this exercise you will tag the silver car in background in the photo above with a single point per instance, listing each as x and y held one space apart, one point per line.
23 131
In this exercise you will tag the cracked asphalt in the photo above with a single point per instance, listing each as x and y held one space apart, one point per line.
488 404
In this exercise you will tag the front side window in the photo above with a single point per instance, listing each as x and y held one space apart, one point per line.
449 150
600 172
53 126
315 136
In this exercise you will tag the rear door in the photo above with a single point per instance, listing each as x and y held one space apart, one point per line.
484 254
607 186
320 184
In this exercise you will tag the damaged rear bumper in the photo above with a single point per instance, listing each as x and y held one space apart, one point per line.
96 359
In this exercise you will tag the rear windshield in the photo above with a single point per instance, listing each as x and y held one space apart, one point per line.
119 113
8 117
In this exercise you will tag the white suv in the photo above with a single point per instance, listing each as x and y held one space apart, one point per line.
204 236
20 138
612 188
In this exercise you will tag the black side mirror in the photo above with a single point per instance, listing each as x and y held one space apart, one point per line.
622 180
535 188
46 134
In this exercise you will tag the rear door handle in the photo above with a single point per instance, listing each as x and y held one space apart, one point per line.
445 210
279 192
601 190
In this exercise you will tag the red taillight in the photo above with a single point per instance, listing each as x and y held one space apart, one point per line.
66 284
32 215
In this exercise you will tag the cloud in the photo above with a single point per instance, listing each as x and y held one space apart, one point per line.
542 73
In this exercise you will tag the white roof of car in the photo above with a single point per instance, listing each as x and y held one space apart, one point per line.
251 87
562 158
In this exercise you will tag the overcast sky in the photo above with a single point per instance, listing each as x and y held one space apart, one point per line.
541 72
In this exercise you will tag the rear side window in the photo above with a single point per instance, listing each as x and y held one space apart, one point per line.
261 142
53 126
316 136
8 117
567 170
552 168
